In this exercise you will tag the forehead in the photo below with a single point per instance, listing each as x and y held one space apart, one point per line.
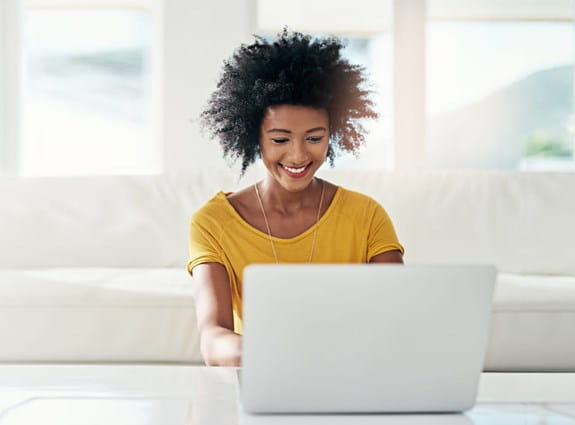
294 117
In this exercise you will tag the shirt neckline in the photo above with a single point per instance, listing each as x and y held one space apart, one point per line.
223 196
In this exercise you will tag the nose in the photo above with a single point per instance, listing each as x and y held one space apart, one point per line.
298 154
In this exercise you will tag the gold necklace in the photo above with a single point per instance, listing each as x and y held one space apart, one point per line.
268 225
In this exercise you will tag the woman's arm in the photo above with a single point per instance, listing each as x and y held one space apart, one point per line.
219 344
394 256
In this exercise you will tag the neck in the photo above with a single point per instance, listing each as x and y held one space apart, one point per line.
281 201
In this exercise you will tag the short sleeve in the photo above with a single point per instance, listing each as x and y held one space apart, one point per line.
203 246
382 236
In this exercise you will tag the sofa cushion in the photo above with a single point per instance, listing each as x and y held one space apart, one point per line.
137 314
533 324
98 314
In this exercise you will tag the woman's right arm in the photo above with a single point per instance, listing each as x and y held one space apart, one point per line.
219 344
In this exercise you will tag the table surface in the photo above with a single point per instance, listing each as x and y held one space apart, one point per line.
169 395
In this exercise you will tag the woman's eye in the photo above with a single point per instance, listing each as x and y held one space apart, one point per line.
315 139
280 140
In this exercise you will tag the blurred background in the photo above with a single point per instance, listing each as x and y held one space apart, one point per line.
112 87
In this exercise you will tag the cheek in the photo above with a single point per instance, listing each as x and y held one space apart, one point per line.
269 156
323 149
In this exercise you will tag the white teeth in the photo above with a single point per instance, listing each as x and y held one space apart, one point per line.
295 170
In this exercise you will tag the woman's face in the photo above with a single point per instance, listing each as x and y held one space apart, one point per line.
294 141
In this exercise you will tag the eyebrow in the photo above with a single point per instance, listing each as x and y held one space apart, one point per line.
281 130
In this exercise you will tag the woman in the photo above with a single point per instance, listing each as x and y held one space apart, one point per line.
293 102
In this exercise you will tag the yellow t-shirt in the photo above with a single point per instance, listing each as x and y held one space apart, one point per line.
354 229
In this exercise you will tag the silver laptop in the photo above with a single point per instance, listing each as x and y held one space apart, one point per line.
356 338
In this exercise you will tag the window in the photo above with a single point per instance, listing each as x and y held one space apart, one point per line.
499 87
475 84
87 99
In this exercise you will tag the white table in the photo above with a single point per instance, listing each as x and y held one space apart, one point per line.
170 395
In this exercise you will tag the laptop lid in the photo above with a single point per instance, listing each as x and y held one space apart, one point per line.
332 338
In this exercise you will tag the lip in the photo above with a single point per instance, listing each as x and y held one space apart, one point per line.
297 175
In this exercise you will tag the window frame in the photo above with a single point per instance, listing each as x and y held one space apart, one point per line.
409 124
10 86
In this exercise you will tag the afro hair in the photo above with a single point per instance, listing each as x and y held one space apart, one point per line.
293 69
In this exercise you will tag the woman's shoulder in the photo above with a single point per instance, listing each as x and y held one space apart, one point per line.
214 210
355 199
362 208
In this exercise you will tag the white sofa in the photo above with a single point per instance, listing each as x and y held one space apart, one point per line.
92 269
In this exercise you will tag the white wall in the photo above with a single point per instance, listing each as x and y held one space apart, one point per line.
198 36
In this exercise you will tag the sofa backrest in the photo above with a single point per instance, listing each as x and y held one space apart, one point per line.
521 222
105 221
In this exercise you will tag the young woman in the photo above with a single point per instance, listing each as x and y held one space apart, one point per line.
293 102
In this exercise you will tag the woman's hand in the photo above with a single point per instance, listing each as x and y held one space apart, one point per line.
221 347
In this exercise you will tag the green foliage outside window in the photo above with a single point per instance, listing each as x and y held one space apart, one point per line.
544 146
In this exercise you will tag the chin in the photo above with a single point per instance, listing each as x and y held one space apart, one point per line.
295 186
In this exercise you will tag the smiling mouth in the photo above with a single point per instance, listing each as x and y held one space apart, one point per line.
296 171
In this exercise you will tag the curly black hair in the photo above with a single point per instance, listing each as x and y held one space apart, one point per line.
293 69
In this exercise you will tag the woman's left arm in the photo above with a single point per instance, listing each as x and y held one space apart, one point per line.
394 256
